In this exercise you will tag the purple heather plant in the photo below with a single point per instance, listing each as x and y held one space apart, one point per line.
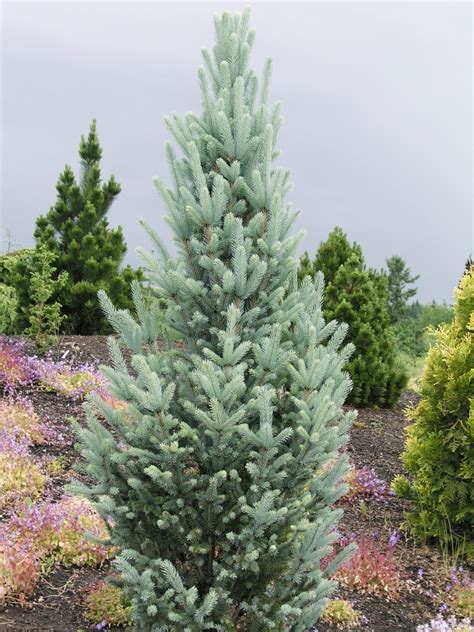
364 484
73 383
459 593
394 538
16 368
451 624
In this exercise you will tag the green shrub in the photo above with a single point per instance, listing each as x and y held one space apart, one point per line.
31 280
8 309
358 296
439 453
413 332
340 613
44 315
107 604
14 282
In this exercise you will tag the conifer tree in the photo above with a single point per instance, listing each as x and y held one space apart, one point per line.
76 230
306 267
399 279
439 453
220 475
358 296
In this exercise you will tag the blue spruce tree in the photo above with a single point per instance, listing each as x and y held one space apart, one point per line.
219 476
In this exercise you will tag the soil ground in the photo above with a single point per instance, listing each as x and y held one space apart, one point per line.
377 440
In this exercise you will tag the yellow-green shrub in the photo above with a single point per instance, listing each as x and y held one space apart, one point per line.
340 613
108 604
439 453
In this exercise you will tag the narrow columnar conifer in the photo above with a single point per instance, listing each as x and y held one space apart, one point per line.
219 476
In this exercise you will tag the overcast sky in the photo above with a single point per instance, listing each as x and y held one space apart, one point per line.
376 98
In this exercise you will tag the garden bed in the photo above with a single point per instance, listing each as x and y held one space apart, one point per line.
416 576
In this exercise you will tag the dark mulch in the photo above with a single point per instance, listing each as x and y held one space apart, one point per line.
377 439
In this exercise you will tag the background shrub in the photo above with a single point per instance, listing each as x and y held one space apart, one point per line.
358 296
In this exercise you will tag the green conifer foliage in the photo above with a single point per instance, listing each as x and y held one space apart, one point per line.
15 273
76 230
306 267
358 296
219 477
44 315
440 446
334 252
399 279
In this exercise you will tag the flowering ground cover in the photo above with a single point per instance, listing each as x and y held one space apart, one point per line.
52 575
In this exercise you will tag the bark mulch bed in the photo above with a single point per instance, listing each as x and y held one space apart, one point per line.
377 439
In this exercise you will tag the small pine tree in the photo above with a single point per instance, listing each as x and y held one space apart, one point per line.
219 477
439 453
358 297
76 230
398 282
334 252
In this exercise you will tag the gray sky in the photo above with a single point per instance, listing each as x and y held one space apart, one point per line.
376 98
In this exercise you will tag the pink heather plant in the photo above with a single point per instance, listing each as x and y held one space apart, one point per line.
43 534
17 417
364 484
20 478
372 569
20 566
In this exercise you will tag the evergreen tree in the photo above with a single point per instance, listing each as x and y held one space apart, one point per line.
399 292
306 268
219 477
76 230
439 453
335 252
358 296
